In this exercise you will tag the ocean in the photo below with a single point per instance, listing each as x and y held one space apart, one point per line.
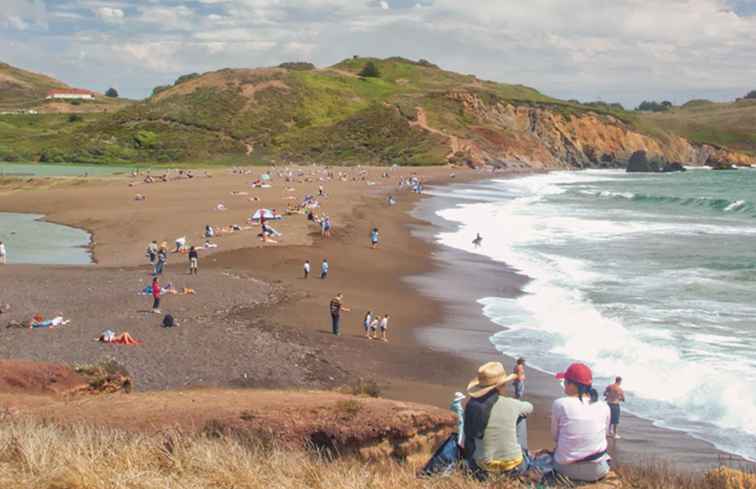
651 277
28 239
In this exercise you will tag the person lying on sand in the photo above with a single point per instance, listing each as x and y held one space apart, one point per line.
124 338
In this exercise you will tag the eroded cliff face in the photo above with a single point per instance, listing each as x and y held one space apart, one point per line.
525 136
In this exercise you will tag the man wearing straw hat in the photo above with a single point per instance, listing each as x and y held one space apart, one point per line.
490 424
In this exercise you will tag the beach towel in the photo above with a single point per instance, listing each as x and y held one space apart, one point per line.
50 323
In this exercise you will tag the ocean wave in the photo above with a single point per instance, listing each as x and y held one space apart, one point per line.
717 204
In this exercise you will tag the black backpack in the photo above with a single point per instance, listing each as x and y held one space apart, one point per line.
168 321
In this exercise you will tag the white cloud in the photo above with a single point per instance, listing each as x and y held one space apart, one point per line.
110 14
623 50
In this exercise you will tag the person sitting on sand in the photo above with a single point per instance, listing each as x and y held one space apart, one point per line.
579 425
209 231
491 446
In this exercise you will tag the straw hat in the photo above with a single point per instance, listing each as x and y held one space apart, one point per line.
490 376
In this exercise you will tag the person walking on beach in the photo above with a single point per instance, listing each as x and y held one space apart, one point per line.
152 250
519 383
478 240
162 257
374 238
155 296
3 253
384 328
367 324
614 395
193 261
337 307
324 269
307 269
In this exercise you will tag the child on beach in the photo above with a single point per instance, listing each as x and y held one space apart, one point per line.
374 324
155 296
307 269
457 408
193 261
374 238
152 250
2 253
324 269
384 328
366 323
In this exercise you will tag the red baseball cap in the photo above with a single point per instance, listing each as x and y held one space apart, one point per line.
578 373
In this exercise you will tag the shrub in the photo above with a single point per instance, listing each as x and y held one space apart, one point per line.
160 88
297 66
653 106
186 78
751 95
348 408
75 118
146 139
370 71
369 388
112 93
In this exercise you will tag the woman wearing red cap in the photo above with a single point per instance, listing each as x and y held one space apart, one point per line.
579 424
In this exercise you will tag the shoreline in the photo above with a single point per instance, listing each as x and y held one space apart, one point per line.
477 276
400 278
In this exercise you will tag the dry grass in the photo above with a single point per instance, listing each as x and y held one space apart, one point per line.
35 455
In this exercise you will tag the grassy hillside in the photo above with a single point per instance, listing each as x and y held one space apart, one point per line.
24 90
333 115
322 115
730 125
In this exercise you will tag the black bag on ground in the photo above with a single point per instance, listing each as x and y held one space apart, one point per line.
168 321
445 460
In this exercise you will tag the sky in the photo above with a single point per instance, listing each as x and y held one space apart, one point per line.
612 50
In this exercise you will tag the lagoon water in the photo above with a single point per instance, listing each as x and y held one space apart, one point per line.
651 277
58 170
30 240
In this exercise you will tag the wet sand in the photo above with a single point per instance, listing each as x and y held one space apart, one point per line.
437 333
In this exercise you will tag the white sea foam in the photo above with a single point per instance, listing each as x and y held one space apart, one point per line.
677 383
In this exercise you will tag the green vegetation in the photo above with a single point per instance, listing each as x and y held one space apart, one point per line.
751 95
337 115
652 106
730 125
370 71
20 89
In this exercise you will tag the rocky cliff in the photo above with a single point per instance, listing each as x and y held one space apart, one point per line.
529 136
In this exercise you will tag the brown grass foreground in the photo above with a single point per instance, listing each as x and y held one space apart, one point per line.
38 455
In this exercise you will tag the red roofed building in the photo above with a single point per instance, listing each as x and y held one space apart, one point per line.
70 94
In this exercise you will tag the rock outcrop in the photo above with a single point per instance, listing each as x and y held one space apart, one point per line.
540 136
639 163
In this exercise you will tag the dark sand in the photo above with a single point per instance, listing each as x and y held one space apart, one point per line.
239 331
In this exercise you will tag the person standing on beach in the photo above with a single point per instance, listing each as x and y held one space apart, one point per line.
155 296
614 395
324 269
374 238
337 307
307 269
384 327
152 250
193 261
366 323
162 257
519 383
3 253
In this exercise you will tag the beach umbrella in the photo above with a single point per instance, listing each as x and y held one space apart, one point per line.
266 213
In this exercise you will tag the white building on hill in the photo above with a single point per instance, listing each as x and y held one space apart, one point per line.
70 94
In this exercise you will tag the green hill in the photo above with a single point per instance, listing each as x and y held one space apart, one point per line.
730 125
412 113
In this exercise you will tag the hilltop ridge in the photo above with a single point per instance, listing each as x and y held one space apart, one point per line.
413 113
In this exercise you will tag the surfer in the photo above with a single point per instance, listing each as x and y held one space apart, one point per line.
478 240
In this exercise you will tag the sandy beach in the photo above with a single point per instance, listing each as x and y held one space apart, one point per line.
253 309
